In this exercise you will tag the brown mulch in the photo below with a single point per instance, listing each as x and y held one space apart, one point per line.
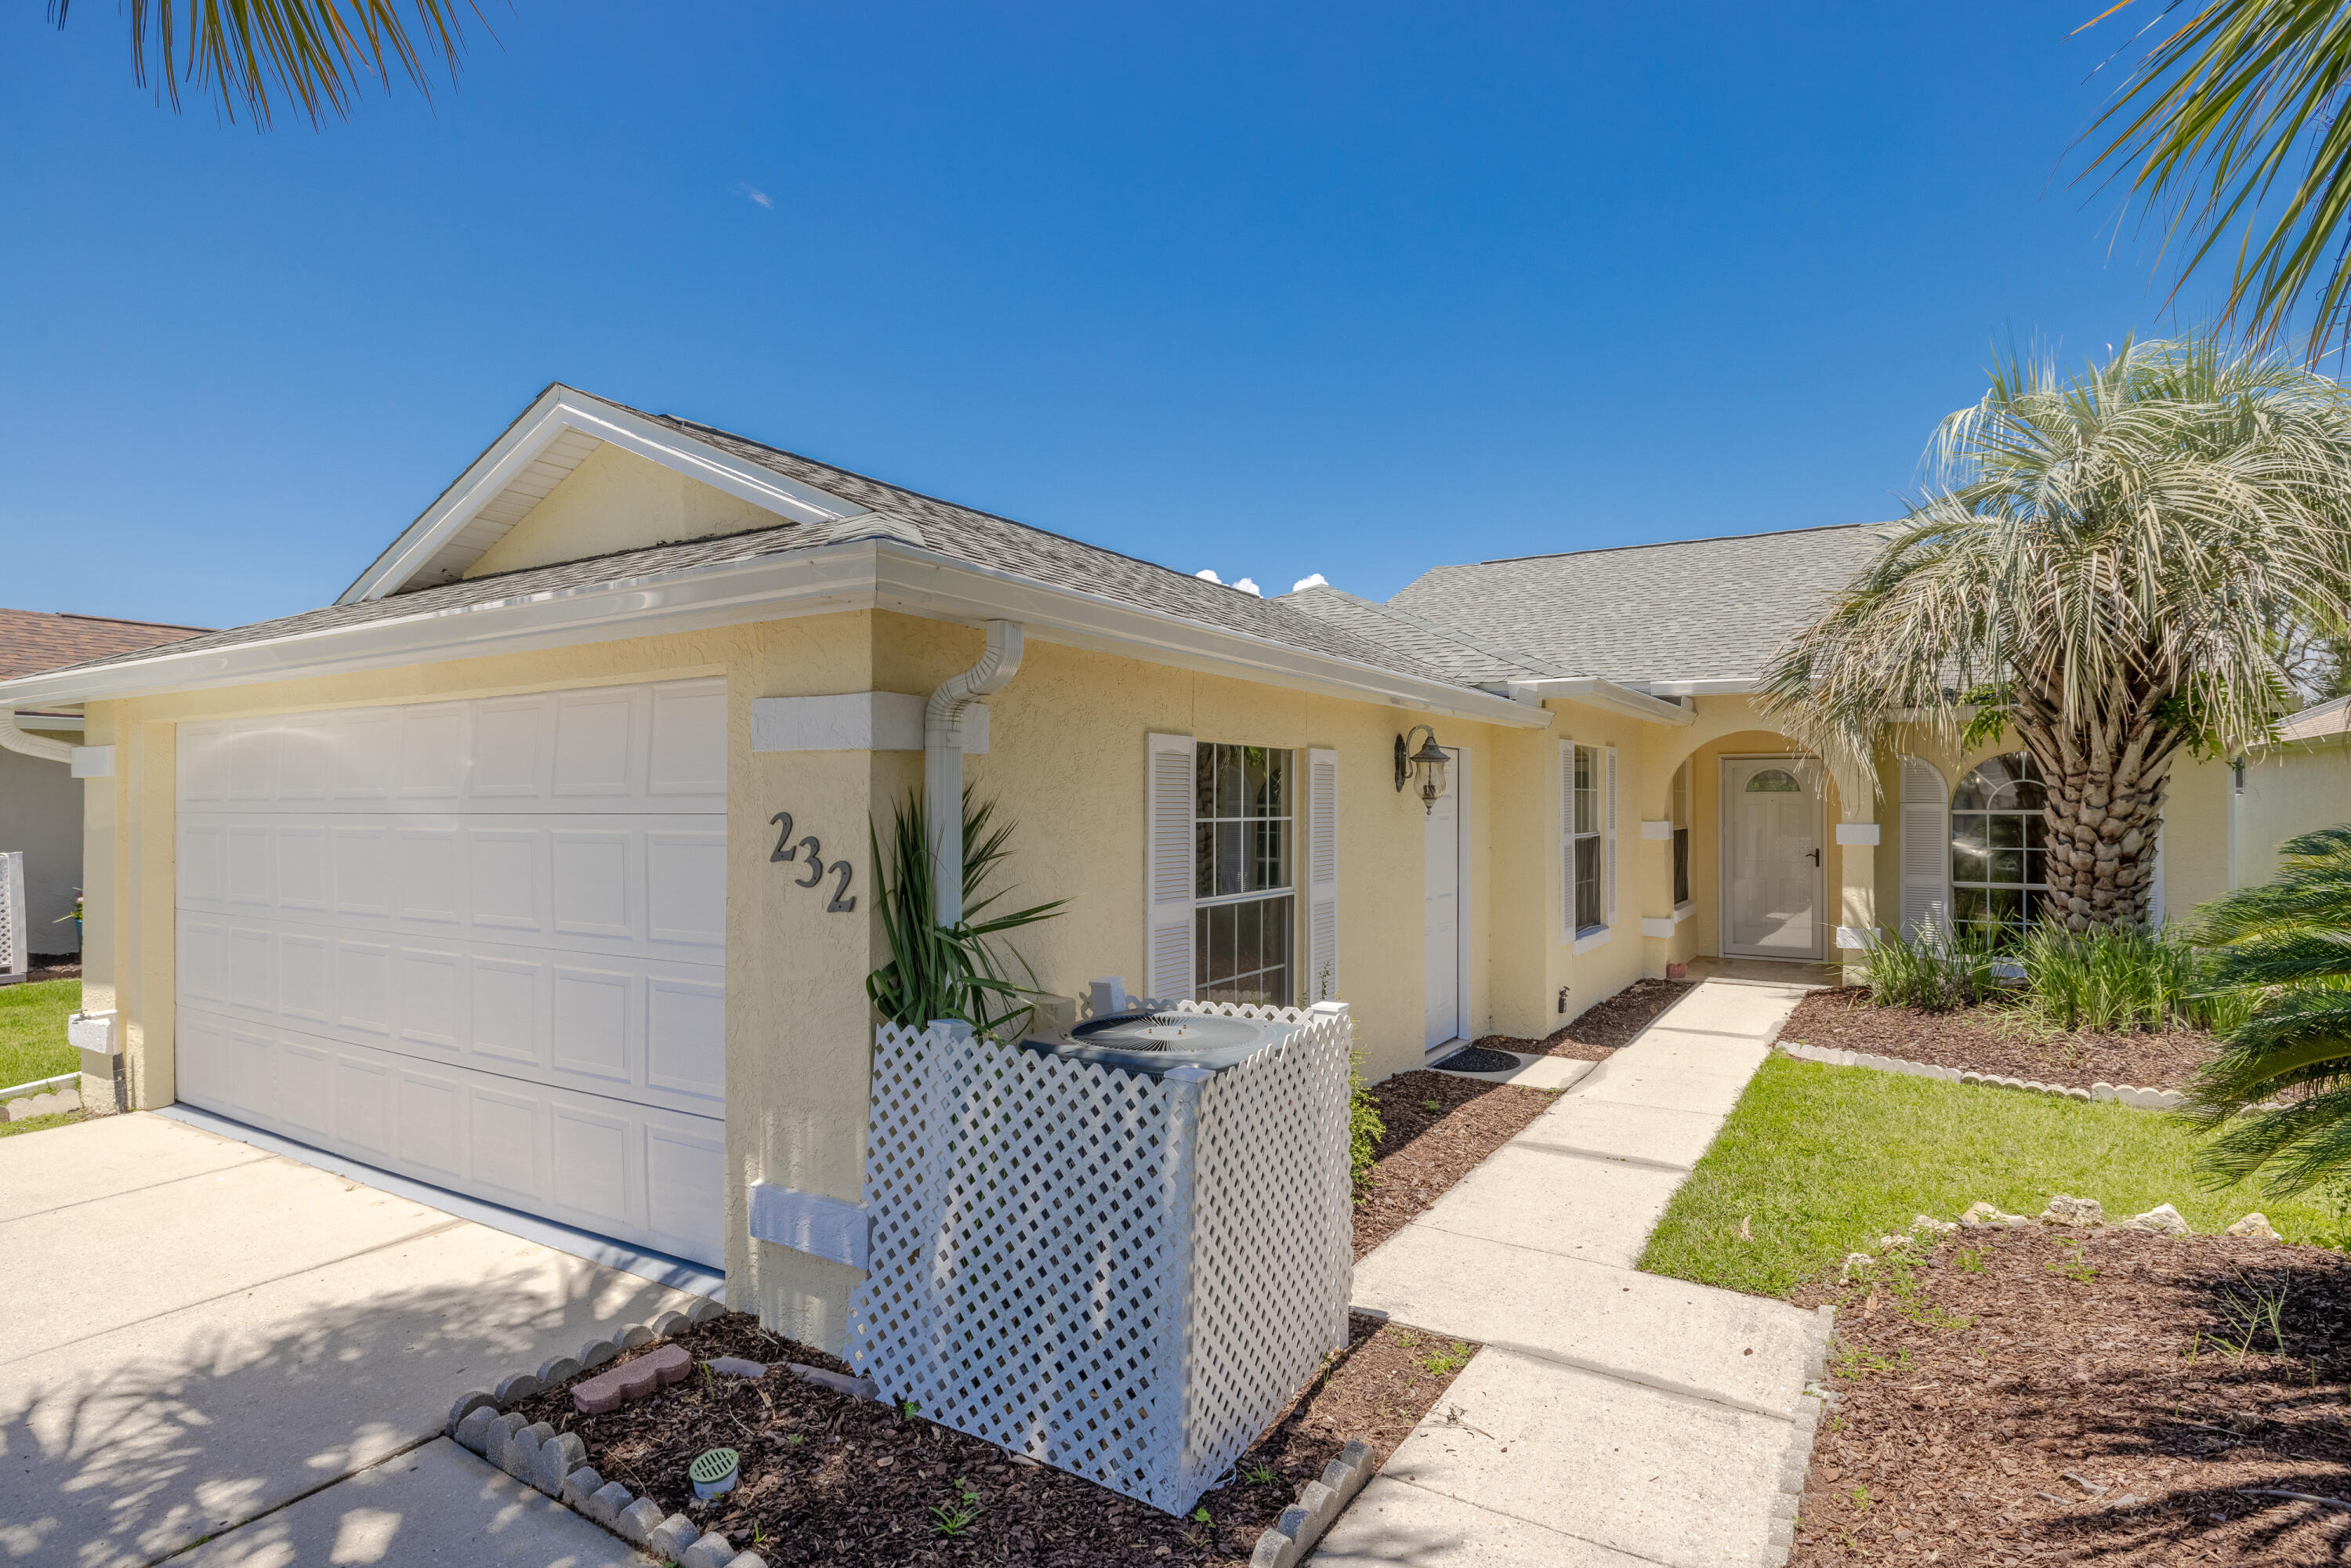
2013 1357
1991 1039
1438 1127
52 966
1603 1027
828 1479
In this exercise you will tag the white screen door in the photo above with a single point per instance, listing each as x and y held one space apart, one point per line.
1772 853
1442 911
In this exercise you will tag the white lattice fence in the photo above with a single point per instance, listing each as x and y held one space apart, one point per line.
1125 1277
16 937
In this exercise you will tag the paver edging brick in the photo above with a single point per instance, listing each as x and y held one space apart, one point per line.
552 1462
1779 1541
52 1103
2118 1094
1287 1541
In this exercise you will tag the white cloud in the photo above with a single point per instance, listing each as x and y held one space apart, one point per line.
1311 580
1245 586
754 194
1209 575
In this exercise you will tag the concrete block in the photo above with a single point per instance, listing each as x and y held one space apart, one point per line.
671 1536
559 1454
474 1431
605 1504
521 1458
579 1485
2104 1091
596 1353
638 1521
703 1311
747 1560
630 1380
479 1399
634 1335
713 1551
668 1324
557 1369
514 1389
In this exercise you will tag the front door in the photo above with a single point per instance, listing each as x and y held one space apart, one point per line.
1773 850
1441 912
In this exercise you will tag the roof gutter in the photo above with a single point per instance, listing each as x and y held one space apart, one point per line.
17 741
1594 692
860 574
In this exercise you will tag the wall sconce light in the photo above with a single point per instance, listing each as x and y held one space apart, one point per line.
1423 770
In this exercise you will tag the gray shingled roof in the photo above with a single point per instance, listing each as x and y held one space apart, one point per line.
1700 610
1438 647
975 537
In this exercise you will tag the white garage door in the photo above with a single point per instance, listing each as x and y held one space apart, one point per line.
481 944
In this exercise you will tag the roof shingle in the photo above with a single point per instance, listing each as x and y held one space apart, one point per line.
31 641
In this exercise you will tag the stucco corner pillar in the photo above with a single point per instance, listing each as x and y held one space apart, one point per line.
1856 859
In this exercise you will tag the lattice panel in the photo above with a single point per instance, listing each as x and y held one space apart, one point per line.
1122 1276
16 940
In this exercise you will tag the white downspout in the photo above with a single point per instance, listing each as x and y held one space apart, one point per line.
943 759
15 739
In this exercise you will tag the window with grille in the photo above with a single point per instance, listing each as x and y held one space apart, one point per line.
1245 903
1589 914
1999 845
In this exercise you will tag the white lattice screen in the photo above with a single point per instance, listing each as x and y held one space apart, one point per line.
1124 1277
16 939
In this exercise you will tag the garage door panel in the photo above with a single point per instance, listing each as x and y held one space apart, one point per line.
648 1029
625 748
479 943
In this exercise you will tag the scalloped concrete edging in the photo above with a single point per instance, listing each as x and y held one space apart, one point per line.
486 1422
54 1102
1286 1541
1780 1543
2119 1093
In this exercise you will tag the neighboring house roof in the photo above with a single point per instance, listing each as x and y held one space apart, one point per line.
2322 722
32 640
1697 609
890 513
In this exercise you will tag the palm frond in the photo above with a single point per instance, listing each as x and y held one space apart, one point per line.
255 53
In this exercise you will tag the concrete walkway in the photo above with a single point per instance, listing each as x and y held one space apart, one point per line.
204 1342
1613 1417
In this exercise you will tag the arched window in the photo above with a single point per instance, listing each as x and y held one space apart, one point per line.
1998 841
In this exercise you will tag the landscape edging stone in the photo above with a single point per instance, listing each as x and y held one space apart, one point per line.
1286 1541
2115 1093
1780 1540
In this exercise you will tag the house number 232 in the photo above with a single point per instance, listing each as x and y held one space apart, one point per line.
842 901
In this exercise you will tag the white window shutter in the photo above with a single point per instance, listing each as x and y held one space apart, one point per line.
1167 872
1321 876
1567 841
1608 840
1926 850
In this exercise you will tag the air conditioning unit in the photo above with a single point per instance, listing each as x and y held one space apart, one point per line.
1118 1250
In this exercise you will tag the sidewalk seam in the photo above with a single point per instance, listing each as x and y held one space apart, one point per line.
1532 1523
126 1192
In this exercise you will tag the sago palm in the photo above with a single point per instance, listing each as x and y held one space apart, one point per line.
2284 947
255 53
2094 566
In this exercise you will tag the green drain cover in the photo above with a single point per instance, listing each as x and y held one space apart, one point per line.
713 1472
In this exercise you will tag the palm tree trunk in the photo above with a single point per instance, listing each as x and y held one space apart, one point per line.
2105 773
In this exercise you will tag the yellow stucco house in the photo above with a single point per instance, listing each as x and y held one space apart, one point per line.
536 868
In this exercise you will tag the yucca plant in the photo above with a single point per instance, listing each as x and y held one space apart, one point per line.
2283 950
949 971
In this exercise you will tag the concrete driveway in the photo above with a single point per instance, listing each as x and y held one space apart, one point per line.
201 1341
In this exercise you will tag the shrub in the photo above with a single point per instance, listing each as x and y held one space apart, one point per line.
1365 1128
2114 980
1930 971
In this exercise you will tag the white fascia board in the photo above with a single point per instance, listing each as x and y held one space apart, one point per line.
861 574
562 408
1721 688
1594 692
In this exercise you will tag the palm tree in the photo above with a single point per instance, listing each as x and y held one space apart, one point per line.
316 52
2097 563
2232 131
2282 948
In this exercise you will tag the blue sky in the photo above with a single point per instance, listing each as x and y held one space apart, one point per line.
1271 291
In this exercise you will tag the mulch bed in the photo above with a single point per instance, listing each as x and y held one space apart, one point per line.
2014 1357
53 966
1993 1038
828 1479
1603 1027
1439 1128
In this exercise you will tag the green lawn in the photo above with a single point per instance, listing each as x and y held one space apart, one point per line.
1822 1161
33 1031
